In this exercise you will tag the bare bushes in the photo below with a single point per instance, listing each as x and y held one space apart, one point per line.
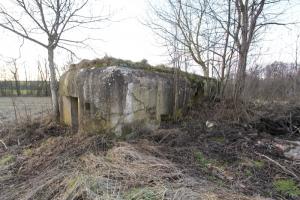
277 81
274 82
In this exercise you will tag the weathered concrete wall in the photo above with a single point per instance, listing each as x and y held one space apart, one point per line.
118 99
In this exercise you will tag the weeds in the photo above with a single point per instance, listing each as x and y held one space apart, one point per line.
201 159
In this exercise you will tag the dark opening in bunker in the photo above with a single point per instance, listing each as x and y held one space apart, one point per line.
164 117
74 113
87 107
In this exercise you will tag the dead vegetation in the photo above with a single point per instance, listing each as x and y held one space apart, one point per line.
111 61
250 149
238 157
59 165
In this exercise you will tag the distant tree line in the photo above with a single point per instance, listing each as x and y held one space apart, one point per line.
24 88
276 81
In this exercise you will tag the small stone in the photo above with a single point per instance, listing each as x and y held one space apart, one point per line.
293 154
209 124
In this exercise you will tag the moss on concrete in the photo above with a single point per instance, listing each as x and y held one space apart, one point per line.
110 61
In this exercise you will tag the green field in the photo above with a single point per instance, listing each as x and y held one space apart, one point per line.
26 88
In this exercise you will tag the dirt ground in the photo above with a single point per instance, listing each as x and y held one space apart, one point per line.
215 152
25 107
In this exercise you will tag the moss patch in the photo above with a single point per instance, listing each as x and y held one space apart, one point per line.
287 187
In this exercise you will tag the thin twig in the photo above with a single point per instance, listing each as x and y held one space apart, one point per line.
287 141
4 144
279 165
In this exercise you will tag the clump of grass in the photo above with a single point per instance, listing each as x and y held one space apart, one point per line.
28 152
146 193
248 173
287 187
219 139
201 159
72 182
258 163
7 159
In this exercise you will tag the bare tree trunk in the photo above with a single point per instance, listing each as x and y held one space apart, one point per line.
296 68
240 77
248 14
225 49
53 84
16 78
18 87
26 82
205 72
175 106
17 84
176 66
51 19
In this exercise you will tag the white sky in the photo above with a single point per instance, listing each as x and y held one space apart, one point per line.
130 39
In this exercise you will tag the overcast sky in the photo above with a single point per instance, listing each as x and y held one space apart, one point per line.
128 38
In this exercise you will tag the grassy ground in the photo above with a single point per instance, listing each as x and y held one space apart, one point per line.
237 158
26 107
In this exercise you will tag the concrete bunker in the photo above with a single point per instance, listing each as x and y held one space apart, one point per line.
119 99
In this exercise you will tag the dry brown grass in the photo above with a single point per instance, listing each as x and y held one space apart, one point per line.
48 161
62 165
